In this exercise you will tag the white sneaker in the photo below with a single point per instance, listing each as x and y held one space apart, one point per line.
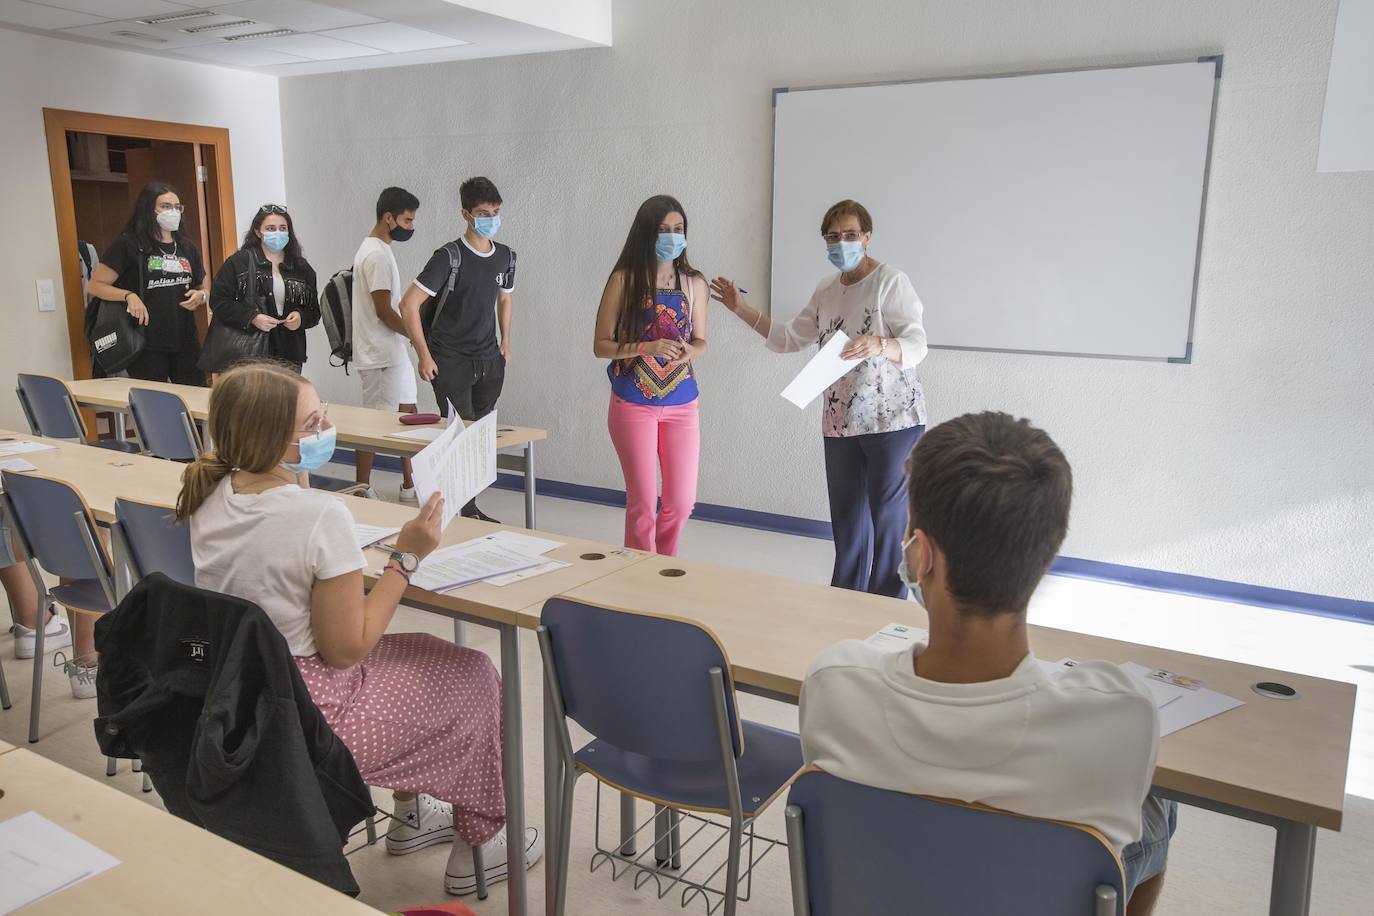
407 497
426 822
460 877
56 635
80 672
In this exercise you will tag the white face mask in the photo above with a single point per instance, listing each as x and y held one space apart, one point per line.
904 570
169 219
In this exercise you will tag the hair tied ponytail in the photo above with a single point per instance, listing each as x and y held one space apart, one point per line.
198 481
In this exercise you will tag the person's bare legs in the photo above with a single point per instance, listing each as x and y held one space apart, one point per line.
83 634
363 465
1145 897
18 585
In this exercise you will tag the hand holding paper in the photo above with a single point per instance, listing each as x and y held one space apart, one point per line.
458 465
825 369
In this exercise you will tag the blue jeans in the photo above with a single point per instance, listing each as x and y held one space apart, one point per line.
1145 859
866 479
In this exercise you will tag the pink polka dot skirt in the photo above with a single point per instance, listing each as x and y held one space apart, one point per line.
421 715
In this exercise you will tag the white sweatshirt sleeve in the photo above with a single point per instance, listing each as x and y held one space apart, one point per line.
902 312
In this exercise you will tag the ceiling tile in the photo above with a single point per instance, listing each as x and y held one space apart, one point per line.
240 54
301 15
144 37
393 37
315 47
126 9
34 16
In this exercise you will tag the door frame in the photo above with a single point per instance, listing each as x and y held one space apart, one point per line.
56 123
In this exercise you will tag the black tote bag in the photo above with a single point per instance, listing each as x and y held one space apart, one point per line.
115 338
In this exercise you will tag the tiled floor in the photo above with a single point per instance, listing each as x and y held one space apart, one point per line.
1217 866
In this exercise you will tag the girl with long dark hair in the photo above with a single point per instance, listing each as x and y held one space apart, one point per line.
651 325
157 272
265 288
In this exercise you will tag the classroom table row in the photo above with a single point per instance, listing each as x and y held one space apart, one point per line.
359 428
1278 762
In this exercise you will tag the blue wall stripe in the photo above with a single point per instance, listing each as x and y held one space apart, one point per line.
1139 577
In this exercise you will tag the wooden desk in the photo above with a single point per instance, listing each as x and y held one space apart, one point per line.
102 475
167 865
358 427
1278 762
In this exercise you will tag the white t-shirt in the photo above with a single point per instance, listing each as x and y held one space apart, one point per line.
269 548
877 395
1078 746
376 346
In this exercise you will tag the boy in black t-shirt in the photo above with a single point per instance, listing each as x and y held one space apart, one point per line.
453 308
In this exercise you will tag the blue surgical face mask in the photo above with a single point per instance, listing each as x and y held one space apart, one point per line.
316 451
670 245
486 226
276 239
845 255
904 570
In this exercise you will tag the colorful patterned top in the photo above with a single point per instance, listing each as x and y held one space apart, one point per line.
649 380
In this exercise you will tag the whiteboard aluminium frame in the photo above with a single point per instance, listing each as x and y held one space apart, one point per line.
1215 59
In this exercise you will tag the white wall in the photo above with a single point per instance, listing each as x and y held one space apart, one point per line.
37 73
1252 464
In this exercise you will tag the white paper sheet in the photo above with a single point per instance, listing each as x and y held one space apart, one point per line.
547 566
39 858
24 446
1187 707
897 636
17 464
423 434
368 535
822 371
524 543
459 464
468 562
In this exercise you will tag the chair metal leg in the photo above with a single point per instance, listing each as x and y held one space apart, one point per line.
5 702
796 861
1104 900
513 771
111 766
627 826
564 838
727 762
663 839
479 870
36 696
372 828
137 765
147 782
553 785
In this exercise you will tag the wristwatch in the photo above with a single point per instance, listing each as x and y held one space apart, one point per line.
406 563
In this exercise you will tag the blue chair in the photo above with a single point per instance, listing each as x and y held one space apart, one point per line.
164 424
855 849
57 532
680 745
52 412
153 541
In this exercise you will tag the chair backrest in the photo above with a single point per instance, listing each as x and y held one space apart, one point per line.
869 850
156 542
164 424
51 409
56 527
640 682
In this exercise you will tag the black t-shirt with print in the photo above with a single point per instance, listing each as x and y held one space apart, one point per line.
466 328
172 269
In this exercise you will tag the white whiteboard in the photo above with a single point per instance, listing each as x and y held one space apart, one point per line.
1049 212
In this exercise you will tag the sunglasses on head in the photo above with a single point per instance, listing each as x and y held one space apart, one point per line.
272 208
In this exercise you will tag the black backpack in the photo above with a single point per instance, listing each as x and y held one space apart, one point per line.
336 313
430 311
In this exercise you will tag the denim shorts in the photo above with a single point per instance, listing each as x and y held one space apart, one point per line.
7 557
1147 858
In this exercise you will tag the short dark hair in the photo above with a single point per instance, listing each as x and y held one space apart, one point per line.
847 207
396 201
993 493
477 191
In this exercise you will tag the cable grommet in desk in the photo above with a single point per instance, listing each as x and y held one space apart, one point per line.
672 573
593 556
1274 690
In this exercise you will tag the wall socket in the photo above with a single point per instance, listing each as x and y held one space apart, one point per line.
47 297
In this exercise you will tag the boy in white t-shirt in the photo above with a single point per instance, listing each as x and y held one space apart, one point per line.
380 349
970 714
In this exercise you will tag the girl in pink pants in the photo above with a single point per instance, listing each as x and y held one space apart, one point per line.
651 324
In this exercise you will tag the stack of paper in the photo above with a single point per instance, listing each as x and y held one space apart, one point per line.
1181 706
23 446
497 559
17 464
368 535
39 858
534 547
423 434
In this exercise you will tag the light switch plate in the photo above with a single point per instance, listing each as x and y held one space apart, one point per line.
47 297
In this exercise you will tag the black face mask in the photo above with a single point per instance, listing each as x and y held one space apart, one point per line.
401 235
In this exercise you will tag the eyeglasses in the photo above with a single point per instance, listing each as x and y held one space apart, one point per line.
832 238
167 208
321 422
272 208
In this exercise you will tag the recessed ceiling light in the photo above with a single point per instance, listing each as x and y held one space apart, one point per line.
215 27
140 36
178 17
274 33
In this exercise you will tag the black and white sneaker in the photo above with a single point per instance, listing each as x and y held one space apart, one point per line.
460 877
425 821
